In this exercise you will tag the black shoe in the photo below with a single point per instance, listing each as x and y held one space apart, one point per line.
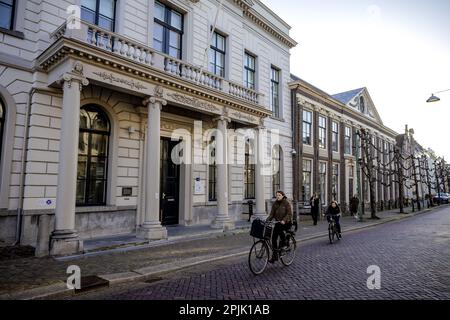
273 259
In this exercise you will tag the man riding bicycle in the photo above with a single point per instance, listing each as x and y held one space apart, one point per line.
334 212
282 213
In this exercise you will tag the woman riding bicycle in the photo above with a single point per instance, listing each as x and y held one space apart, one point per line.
281 212
333 211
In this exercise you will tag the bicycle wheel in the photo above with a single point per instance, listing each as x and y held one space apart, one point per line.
330 233
289 254
258 257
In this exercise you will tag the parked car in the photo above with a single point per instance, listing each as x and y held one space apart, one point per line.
441 198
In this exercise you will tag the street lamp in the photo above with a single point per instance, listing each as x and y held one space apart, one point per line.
434 98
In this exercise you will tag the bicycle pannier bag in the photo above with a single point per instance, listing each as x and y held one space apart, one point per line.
257 229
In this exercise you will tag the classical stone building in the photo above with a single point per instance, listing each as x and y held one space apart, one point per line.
93 111
325 139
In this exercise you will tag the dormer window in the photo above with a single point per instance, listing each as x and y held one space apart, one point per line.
362 106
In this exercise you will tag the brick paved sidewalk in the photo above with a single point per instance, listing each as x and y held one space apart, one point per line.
20 274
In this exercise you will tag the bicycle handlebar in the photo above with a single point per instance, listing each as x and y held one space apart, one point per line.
271 222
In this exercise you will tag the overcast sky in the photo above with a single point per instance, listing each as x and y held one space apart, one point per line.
398 49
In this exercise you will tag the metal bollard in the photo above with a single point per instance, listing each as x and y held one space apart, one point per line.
250 209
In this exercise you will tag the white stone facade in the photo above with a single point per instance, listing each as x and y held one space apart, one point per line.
42 61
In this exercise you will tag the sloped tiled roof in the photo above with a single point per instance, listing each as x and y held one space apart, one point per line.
347 96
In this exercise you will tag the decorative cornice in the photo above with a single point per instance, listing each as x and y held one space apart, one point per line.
108 76
244 116
246 6
194 102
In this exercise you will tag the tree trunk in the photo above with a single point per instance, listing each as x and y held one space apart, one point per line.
373 211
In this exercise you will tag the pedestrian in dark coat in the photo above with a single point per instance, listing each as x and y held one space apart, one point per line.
314 202
354 203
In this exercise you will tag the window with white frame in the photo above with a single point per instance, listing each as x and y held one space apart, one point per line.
347 141
307 180
351 169
276 169
249 171
217 53
334 136
307 127
323 181
335 181
354 144
275 91
249 70
93 152
7 8
168 30
99 12
322 132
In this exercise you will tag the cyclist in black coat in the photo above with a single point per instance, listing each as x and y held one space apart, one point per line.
334 211
281 212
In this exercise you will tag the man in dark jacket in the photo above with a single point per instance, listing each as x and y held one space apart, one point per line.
314 202
282 213
335 212
354 202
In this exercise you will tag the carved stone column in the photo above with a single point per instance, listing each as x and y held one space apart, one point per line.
222 219
260 209
151 228
64 239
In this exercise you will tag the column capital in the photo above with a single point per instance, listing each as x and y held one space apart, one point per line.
154 100
222 118
70 77
76 74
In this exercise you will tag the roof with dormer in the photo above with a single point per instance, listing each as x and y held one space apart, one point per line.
347 96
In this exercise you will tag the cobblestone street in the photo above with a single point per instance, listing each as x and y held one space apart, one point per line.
413 255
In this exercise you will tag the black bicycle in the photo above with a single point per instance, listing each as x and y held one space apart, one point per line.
332 230
260 251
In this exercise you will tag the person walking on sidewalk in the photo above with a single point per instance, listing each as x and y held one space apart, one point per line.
333 211
314 202
282 213
354 202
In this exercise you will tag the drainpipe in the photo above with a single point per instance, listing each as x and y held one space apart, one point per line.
294 151
23 168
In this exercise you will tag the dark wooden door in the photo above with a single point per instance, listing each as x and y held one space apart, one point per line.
169 185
